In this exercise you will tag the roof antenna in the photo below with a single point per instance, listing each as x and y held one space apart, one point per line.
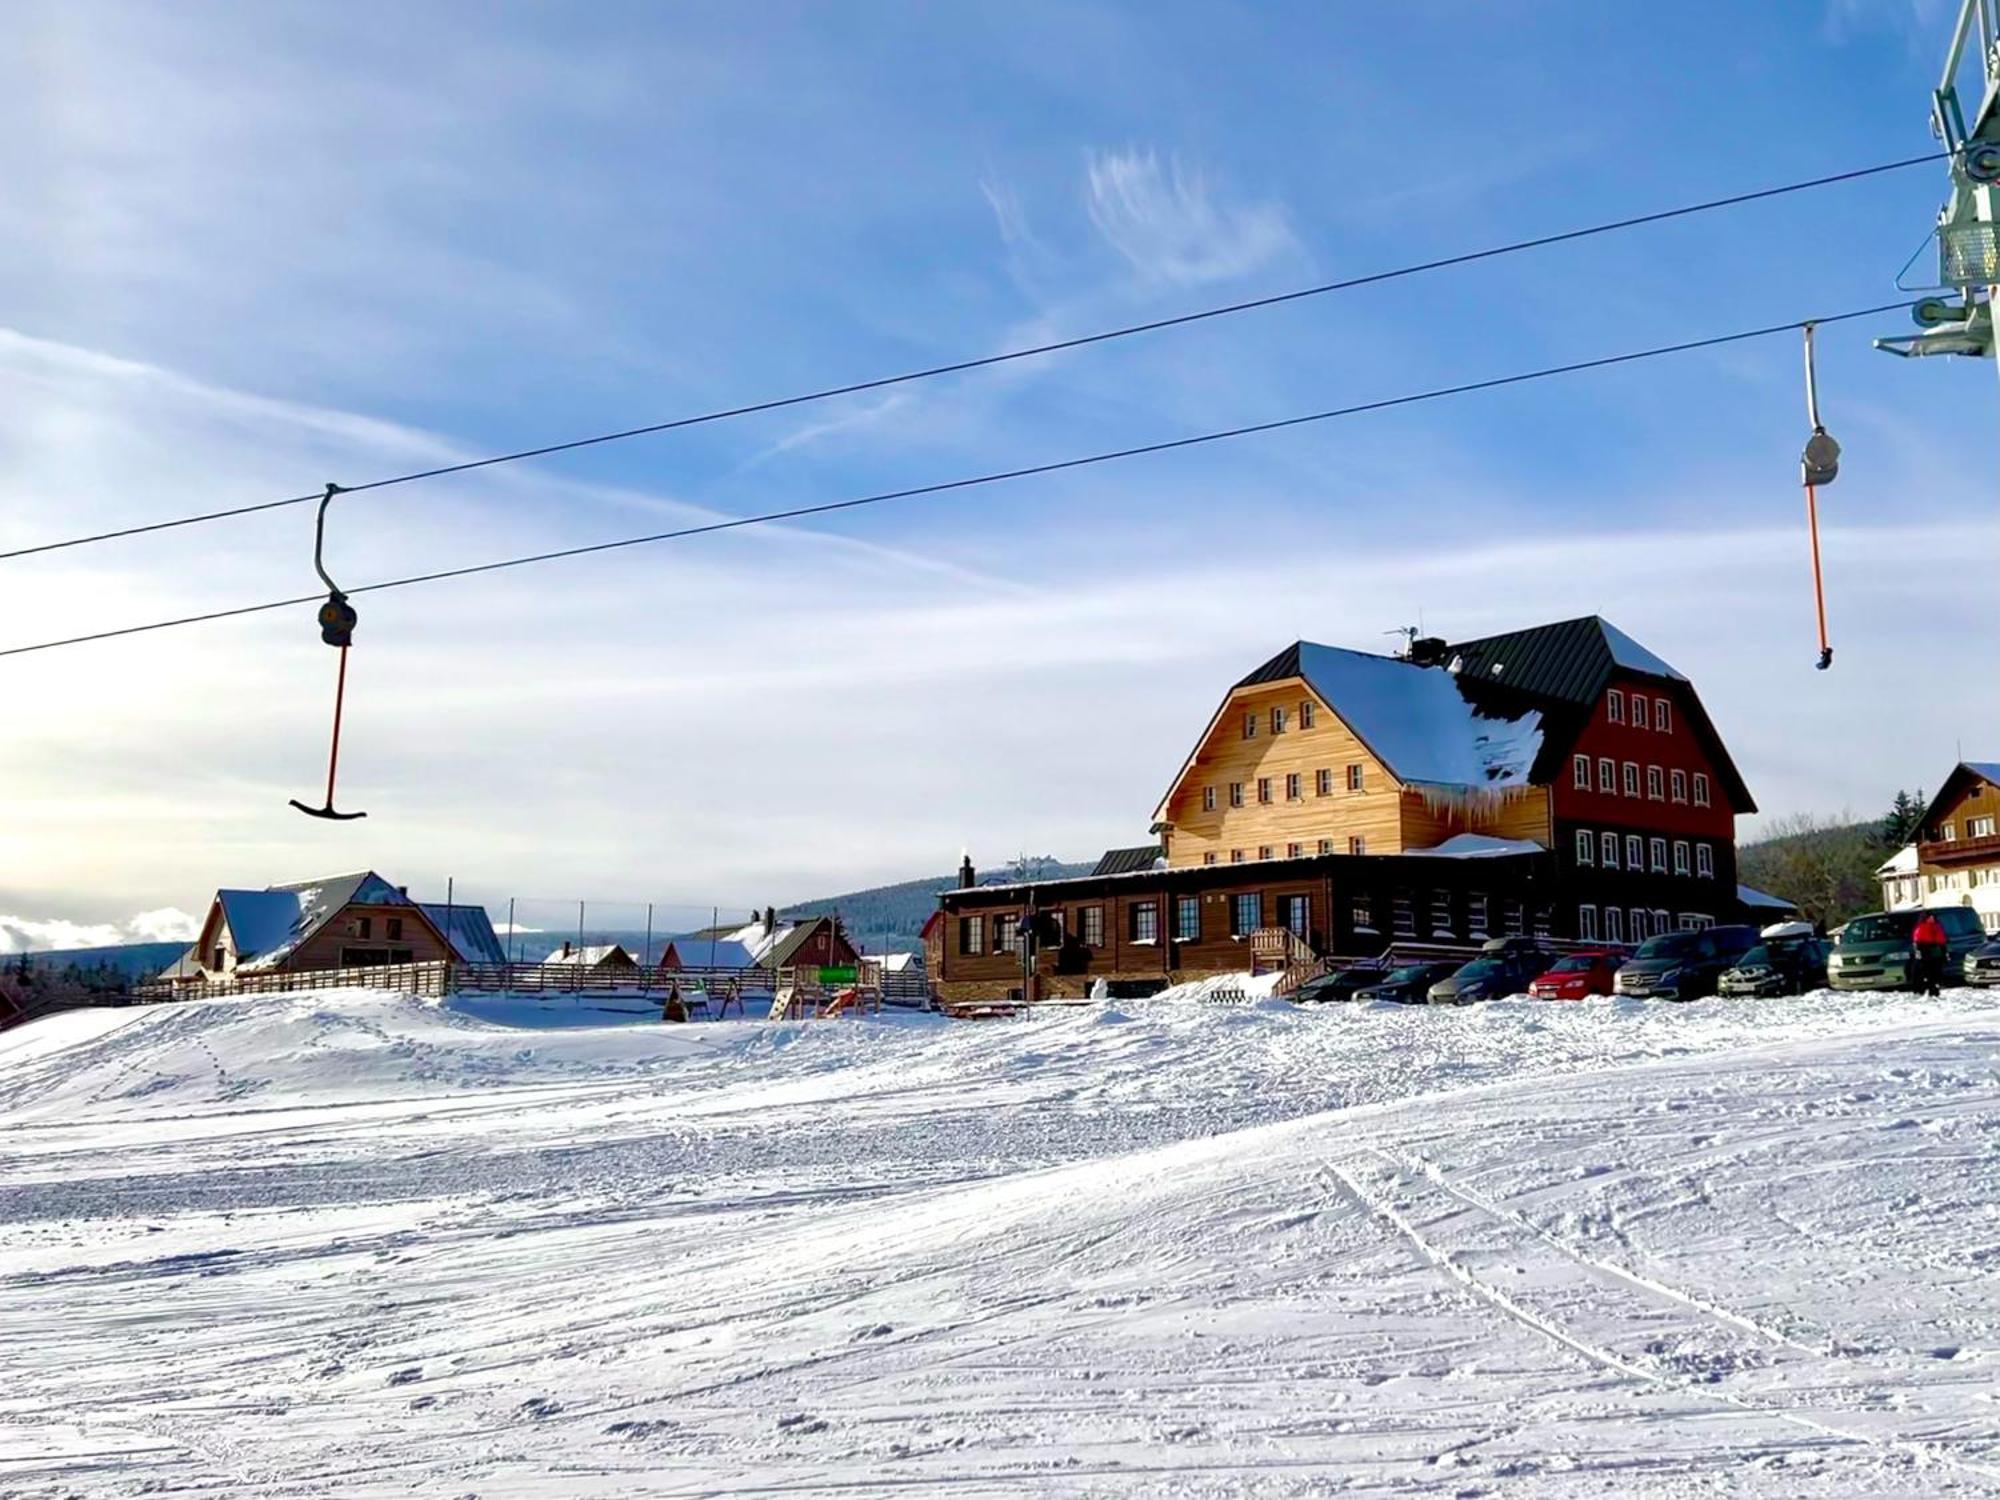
1819 465
1411 634
336 627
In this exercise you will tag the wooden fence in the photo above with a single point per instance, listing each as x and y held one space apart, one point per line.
442 978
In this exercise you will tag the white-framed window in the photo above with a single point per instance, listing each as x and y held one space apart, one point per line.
1513 919
1545 921
1145 922
1277 719
1323 782
1354 776
1475 914
1294 787
1250 725
1975 828
1631 778
1007 932
1642 926
1586 847
1663 921
1208 799
1305 713
1614 706
1293 851
1695 921
1586 922
1298 914
1950 837
1614 925
1681 866
1680 785
1263 851
1656 783
1638 710
1236 856
1659 852
971 935
1579 767
1235 794
1635 852
1361 913
1701 789
1357 843
1264 789
1326 846
1704 861
1246 913
1607 851
1441 914
1663 716
1090 925
1404 915
1607 775
1208 858
1187 919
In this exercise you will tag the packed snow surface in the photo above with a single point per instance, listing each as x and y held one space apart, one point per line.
356 1245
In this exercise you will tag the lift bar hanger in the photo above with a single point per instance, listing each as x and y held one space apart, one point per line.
337 619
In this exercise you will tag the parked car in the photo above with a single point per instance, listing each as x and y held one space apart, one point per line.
1789 959
1410 985
1874 951
1579 975
1982 964
1340 984
1683 965
1492 976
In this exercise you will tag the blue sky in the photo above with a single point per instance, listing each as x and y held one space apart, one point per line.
253 248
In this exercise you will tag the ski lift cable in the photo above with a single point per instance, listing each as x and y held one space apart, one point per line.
975 481
981 362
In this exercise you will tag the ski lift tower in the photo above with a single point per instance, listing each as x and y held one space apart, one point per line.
1968 226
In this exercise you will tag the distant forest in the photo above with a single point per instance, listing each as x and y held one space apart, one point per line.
890 918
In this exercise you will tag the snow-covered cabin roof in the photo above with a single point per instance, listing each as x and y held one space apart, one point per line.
1416 722
1477 846
1758 900
1902 862
266 926
716 953
590 956
469 929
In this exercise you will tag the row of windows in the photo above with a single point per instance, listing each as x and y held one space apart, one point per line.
1661 714
1295 787
1637 852
1356 844
1659 783
1975 828
1279 718
1643 923
1965 880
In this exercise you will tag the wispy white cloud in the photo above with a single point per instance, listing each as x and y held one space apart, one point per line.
1174 225
35 934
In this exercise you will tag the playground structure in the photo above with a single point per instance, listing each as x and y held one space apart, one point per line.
812 993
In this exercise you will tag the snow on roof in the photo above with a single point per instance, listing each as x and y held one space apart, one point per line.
587 957
469 929
717 953
1749 895
1632 656
1478 846
264 925
1902 862
1416 721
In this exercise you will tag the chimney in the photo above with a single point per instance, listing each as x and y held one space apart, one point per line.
565 952
1429 651
967 876
770 919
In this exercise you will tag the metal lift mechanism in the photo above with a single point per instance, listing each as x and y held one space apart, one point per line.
337 619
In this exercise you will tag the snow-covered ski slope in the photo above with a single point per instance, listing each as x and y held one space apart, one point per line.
342 1244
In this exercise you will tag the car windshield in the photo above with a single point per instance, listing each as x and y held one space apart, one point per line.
1576 963
1484 968
1883 927
1756 956
1668 945
1410 975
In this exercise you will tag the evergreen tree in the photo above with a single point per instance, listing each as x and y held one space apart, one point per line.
1905 813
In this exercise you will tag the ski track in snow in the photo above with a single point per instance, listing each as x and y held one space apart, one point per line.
353 1244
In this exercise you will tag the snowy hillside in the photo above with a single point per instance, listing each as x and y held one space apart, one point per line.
337 1244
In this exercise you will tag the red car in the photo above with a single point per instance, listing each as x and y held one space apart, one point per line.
1579 975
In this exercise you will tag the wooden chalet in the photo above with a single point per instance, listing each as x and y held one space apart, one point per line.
1958 843
1562 781
765 942
602 958
342 922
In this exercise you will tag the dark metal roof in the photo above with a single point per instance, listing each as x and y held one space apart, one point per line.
1125 861
1569 661
1277 669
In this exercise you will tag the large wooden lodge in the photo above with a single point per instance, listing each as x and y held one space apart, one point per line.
1560 780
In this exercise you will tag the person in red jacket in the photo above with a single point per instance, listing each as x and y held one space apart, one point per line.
1929 942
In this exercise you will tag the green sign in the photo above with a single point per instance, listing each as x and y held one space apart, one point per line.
839 974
